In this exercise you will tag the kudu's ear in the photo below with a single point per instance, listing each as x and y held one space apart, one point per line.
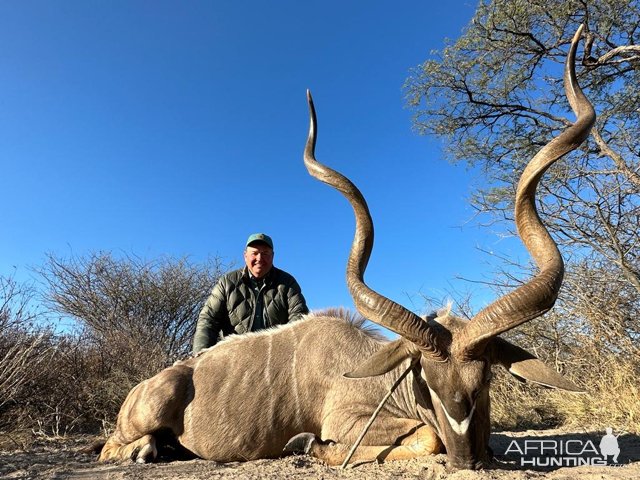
526 366
386 359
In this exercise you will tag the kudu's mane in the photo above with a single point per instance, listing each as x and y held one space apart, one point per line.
351 318
355 319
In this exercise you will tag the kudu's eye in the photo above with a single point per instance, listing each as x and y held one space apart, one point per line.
476 393
488 377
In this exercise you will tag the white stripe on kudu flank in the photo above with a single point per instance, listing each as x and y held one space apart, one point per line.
294 378
459 427
267 366
267 379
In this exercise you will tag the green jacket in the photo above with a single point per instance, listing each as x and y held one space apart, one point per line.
231 306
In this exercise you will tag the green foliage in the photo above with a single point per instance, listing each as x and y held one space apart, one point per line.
496 96
496 93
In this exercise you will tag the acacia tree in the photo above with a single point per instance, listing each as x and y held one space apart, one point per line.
495 96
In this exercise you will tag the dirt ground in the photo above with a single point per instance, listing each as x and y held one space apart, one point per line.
61 459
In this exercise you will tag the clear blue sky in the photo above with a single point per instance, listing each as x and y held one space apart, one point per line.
177 128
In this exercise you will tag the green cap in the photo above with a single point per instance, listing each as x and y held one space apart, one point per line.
260 237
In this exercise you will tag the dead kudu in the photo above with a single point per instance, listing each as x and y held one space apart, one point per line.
249 395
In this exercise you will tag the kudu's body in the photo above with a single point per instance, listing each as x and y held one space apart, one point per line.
243 398
246 397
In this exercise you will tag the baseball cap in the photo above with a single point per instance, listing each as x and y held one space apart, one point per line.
260 237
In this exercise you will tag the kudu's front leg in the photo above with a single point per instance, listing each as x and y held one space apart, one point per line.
422 441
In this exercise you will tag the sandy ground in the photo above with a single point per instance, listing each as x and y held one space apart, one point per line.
61 459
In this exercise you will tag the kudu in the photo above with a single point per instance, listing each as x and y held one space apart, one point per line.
245 397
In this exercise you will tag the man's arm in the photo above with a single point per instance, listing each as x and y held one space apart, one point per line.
212 315
297 303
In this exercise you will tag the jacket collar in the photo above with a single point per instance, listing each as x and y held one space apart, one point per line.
246 275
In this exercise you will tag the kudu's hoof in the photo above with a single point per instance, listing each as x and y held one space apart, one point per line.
301 443
147 454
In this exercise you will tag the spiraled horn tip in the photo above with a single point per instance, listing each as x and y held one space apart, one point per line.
578 33
312 108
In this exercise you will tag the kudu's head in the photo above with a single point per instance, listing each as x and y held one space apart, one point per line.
453 356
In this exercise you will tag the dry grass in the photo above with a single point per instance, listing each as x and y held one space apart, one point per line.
516 405
612 400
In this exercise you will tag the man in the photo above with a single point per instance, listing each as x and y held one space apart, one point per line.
252 298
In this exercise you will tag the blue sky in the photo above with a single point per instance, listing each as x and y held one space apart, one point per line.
177 128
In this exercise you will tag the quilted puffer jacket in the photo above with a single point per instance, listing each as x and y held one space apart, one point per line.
231 306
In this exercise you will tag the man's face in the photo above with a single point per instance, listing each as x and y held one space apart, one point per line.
259 259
